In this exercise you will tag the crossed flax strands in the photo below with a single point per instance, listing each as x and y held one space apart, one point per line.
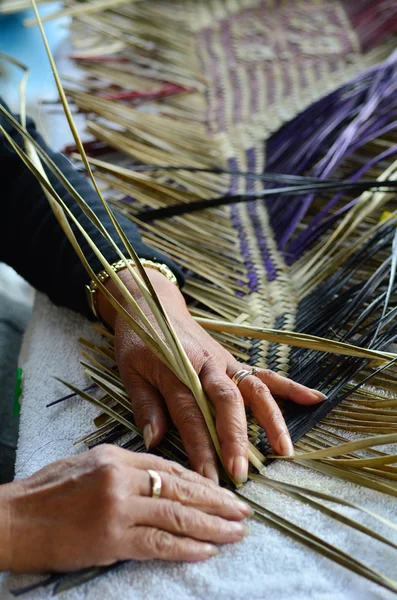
253 66
231 85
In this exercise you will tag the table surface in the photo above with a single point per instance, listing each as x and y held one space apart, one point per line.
266 565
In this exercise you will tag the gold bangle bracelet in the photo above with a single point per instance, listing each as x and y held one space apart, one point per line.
103 276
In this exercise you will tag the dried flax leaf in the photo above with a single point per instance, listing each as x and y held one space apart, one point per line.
178 361
182 365
14 6
306 496
76 9
156 345
333 451
292 338
100 404
110 389
60 209
350 475
301 494
90 214
265 515
318 343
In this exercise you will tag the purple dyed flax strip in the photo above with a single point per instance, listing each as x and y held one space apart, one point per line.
252 208
367 106
236 221
297 247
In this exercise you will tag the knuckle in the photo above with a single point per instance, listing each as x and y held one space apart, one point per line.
183 492
291 387
240 439
175 467
104 456
175 513
143 404
236 430
276 420
258 392
257 388
207 355
227 394
179 516
145 408
268 374
161 542
108 475
188 414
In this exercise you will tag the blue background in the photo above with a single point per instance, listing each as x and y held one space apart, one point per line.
25 44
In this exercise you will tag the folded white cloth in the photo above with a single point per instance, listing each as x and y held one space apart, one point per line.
266 565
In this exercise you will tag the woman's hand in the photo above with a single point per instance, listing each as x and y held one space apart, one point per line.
155 391
96 508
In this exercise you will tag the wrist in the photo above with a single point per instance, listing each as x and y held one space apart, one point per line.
166 289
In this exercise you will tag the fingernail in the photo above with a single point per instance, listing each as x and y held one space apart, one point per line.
244 508
285 445
210 472
210 550
240 528
241 506
147 436
247 531
240 469
319 395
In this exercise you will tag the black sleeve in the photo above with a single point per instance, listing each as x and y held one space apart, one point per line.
32 241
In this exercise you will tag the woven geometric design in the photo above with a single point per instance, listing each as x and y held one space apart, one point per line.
211 83
235 104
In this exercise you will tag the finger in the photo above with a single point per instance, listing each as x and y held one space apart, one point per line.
147 543
188 475
186 521
148 406
211 500
140 460
231 423
288 389
187 417
258 396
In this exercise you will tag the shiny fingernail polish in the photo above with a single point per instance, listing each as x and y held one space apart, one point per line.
210 472
285 445
147 436
240 469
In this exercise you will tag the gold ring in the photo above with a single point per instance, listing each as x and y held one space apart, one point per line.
242 374
155 482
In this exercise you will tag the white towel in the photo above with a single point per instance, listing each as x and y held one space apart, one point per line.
266 565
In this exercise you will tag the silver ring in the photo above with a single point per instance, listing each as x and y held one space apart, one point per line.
155 482
242 374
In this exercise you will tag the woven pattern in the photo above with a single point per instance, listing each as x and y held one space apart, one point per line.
178 91
264 62
219 79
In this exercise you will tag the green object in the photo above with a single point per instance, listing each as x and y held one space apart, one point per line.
18 392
